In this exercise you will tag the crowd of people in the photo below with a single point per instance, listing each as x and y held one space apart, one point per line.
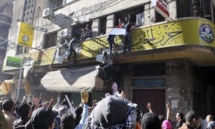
112 112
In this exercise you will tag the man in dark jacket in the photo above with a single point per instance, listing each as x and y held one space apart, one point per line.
150 121
24 111
111 42
71 49
42 118
128 40
111 117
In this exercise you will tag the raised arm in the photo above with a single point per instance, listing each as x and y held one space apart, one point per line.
84 99
168 110
149 107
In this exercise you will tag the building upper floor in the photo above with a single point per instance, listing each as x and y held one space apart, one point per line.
55 22
6 12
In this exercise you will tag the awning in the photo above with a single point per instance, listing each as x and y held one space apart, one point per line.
73 80
5 87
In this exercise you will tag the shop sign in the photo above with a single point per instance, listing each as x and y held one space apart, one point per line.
13 61
161 7
25 34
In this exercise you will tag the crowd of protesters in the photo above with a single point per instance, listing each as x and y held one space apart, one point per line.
114 111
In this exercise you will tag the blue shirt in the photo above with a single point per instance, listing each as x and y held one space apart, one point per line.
83 118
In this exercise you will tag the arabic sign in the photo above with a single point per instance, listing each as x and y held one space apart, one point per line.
25 34
185 32
13 61
161 7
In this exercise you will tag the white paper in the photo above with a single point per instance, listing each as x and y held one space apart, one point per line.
174 103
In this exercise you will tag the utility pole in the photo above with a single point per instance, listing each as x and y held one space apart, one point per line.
20 73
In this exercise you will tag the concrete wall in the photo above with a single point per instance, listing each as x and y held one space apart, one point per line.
209 96
82 11
7 8
17 14
178 85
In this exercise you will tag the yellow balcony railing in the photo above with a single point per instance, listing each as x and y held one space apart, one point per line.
190 31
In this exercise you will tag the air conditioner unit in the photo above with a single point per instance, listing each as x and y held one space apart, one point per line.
47 13
65 33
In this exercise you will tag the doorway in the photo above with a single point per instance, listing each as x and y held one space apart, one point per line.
155 96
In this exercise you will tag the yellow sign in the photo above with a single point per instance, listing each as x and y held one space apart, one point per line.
25 34
184 32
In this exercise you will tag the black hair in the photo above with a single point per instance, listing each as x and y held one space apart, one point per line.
191 115
7 105
42 118
78 111
150 121
23 110
181 115
68 122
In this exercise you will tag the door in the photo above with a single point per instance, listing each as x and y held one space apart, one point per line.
155 96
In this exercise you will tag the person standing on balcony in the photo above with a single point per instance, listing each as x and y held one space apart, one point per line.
111 42
120 24
71 49
128 40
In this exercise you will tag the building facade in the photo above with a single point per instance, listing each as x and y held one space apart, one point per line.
171 60
6 12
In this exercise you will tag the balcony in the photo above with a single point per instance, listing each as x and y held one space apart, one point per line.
188 38
5 20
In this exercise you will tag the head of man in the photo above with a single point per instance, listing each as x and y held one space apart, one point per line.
68 122
150 121
42 118
179 116
209 118
193 119
8 105
24 110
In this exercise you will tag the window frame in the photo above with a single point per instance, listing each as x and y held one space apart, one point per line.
45 39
